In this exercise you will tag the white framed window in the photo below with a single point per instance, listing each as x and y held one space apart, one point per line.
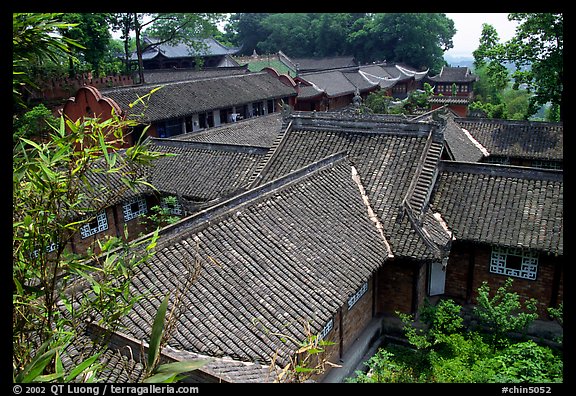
517 262
133 208
99 224
358 295
329 326
175 208
49 248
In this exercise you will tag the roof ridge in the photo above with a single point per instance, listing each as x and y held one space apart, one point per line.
182 82
243 148
502 170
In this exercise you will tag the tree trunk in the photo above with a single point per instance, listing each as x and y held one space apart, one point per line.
139 49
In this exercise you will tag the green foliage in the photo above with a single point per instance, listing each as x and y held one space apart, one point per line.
307 357
37 122
91 30
56 290
167 372
34 43
417 39
378 102
384 368
537 52
444 350
528 362
489 110
557 313
503 313
162 214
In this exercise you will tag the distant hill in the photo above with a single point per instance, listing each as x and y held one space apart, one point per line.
459 61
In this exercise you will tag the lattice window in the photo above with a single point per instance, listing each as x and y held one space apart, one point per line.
99 224
358 295
329 326
517 262
133 208
175 207
49 248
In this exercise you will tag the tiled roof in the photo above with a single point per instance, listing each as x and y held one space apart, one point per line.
255 131
270 258
315 64
504 205
461 144
309 91
206 47
408 71
123 359
104 189
454 74
157 76
376 74
203 172
333 82
521 139
180 99
359 81
387 154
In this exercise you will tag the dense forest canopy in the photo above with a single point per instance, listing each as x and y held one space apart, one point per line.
417 39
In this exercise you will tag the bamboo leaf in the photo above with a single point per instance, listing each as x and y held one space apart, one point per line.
104 148
159 378
81 367
182 367
31 143
36 366
157 330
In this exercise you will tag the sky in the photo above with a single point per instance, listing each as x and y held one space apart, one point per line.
469 28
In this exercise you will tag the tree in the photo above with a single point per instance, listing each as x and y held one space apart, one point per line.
289 32
34 43
537 53
444 349
246 31
503 313
172 28
417 39
124 22
52 199
91 30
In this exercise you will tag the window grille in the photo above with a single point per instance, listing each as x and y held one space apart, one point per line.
358 295
50 248
175 209
516 262
329 326
99 224
133 208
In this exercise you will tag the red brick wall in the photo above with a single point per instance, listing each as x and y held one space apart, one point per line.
422 285
353 323
333 352
394 289
135 228
357 318
457 275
